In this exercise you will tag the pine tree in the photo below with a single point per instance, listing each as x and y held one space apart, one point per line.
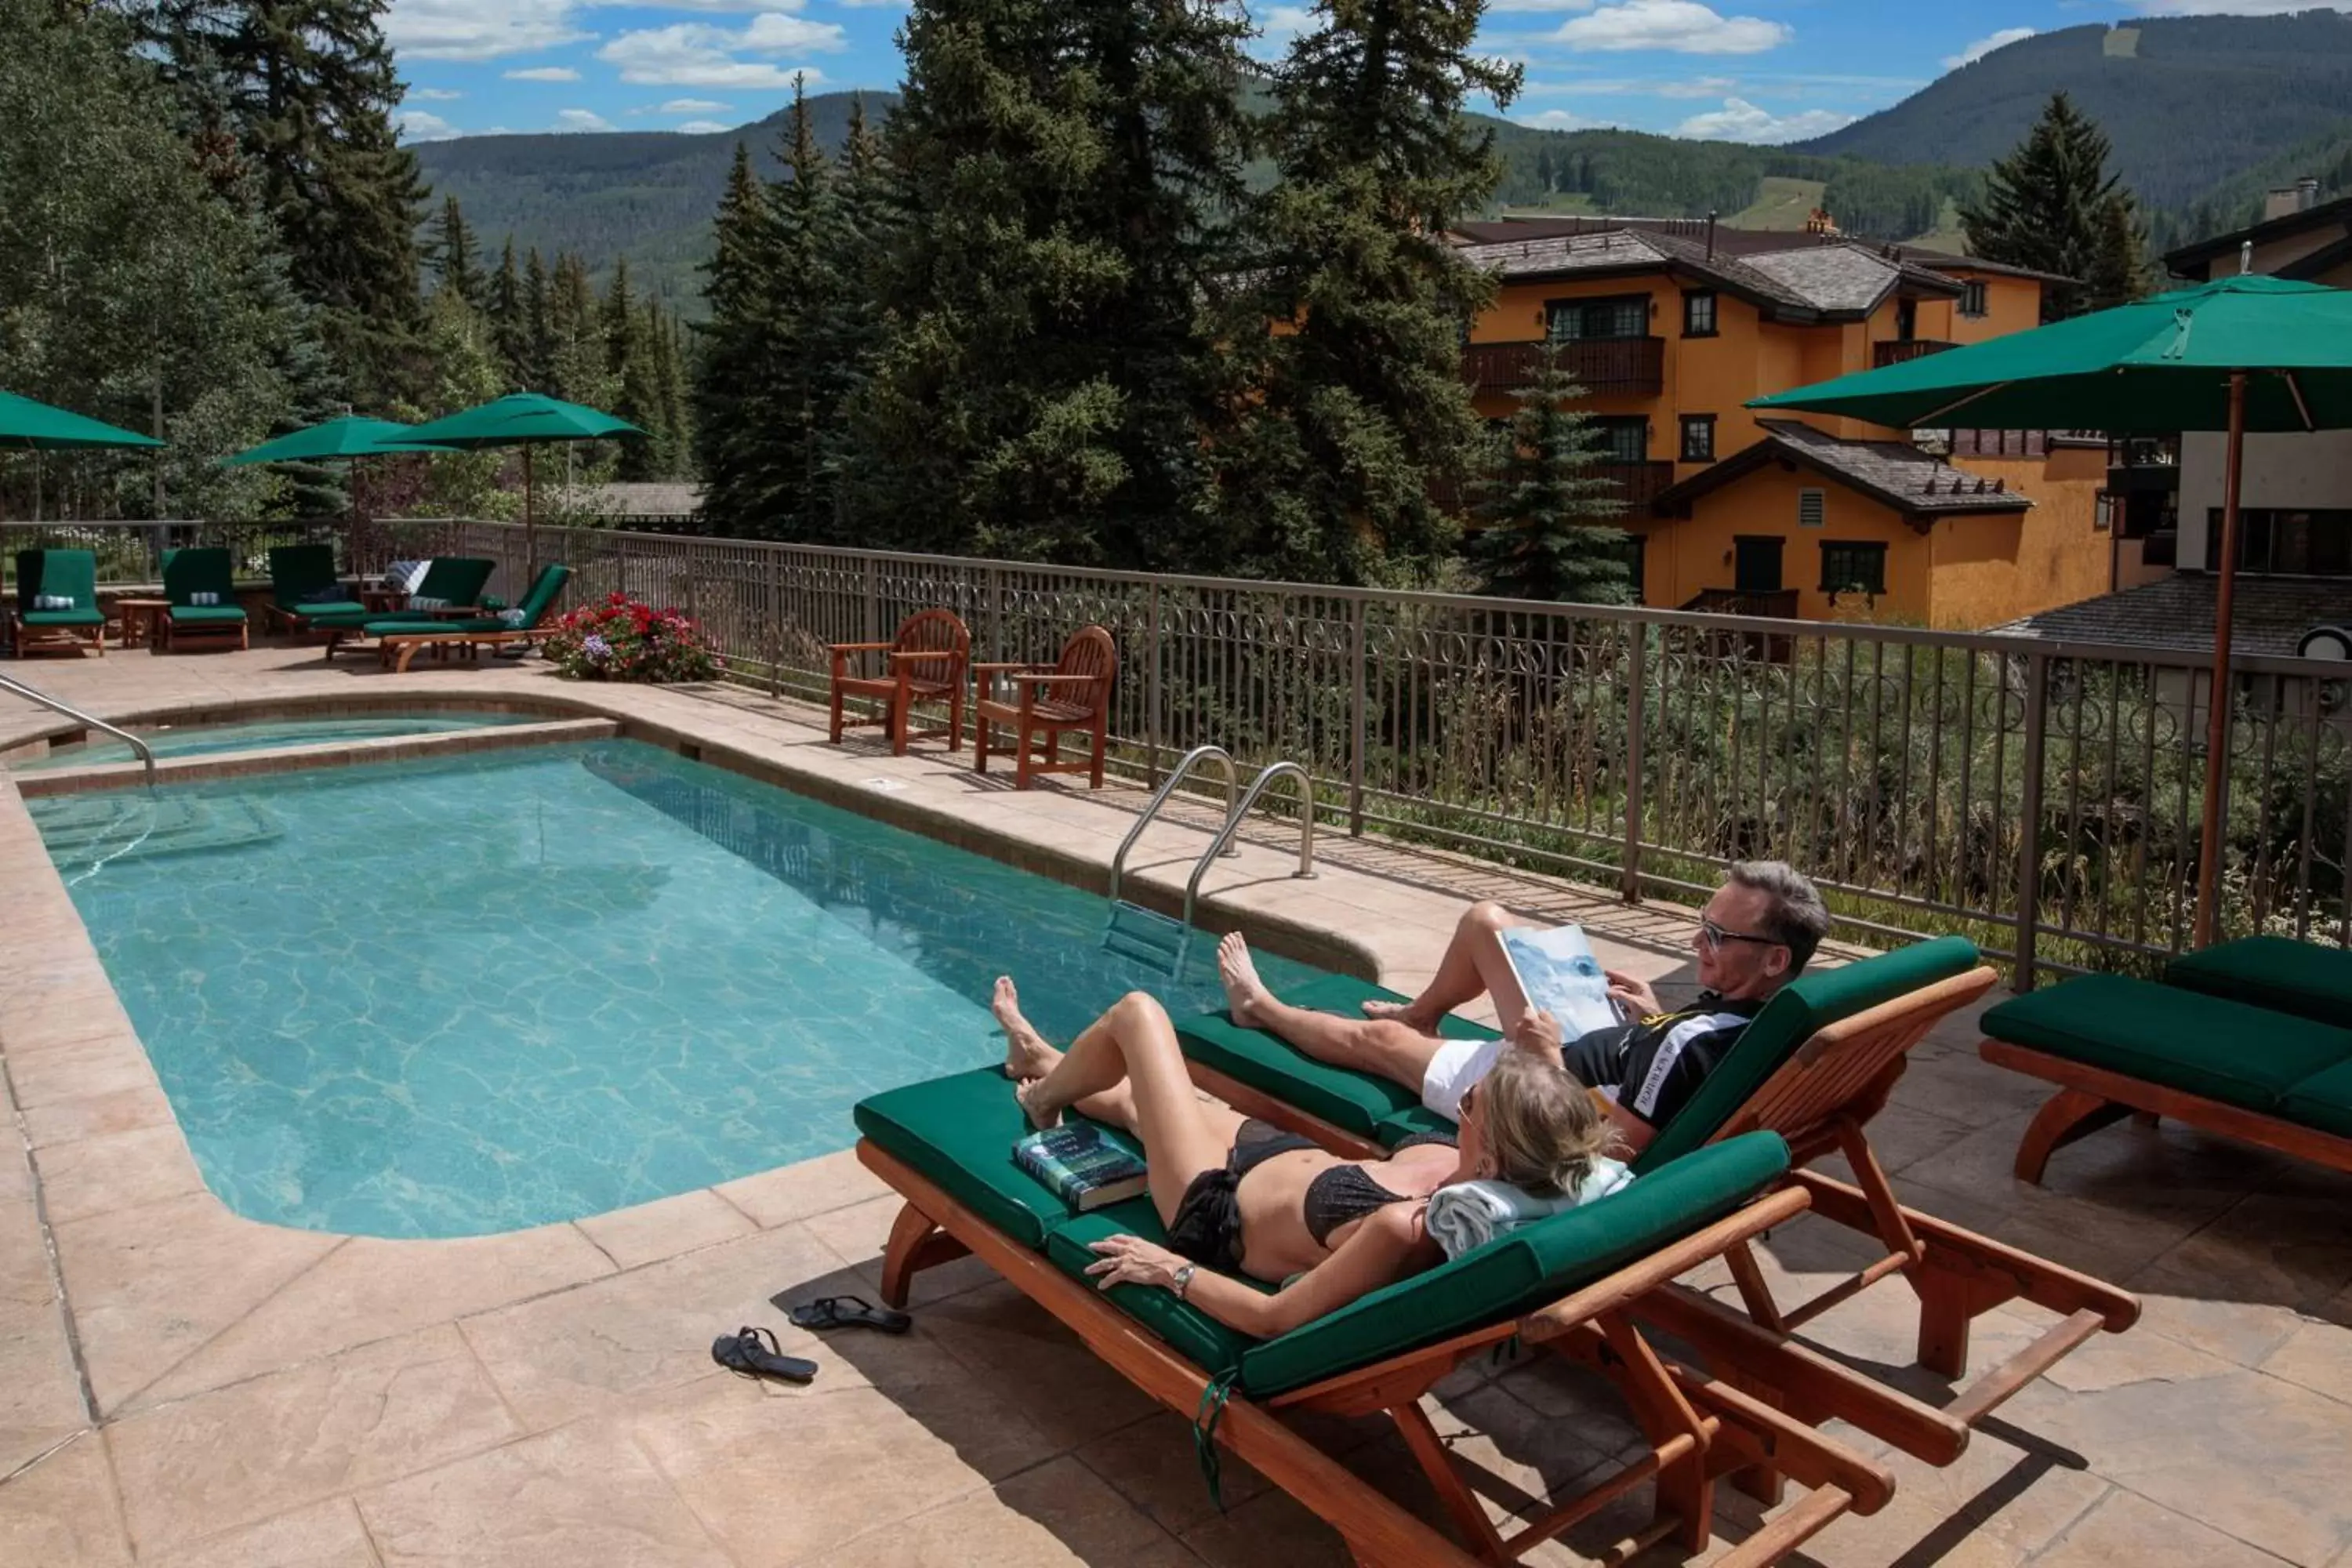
1546 176
844 337
2053 205
666 375
308 89
628 356
735 359
1346 420
450 253
1063 171
1543 520
538 360
508 326
790 493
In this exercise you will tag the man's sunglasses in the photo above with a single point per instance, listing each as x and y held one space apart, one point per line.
1717 936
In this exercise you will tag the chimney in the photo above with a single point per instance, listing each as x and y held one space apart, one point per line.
2285 200
1710 234
2306 194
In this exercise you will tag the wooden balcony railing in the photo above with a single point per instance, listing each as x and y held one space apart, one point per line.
1602 366
1904 350
1639 481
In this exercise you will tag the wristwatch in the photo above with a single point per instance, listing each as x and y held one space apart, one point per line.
1182 1279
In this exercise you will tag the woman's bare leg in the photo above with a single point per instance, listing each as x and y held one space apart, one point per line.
1391 1049
1134 1045
1029 1055
1473 966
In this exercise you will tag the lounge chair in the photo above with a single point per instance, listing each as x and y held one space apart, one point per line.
2298 977
1566 1281
1072 693
57 574
399 639
451 582
2118 1046
926 663
202 585
304 586
1818 1062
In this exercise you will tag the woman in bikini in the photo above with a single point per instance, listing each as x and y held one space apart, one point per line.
1241 1198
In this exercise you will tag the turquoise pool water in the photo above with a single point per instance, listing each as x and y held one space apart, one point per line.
453 997
208 740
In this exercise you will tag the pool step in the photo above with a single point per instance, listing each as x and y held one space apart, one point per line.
1147 936
88 829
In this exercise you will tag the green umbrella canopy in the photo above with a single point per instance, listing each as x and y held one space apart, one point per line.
522 419
2154 367
25 423
352 437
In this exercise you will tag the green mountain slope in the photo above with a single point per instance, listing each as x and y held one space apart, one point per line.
2190 102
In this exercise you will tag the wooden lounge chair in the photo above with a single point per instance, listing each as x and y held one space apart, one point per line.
2118 1046
1570 1281
926 662
69 575
1071 694
399 639
450 583
304 586
1818 1062
2285 976
202 585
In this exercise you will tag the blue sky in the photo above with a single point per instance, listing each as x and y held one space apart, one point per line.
1757 70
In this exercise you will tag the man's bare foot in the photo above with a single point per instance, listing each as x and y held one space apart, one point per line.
1026 1054
1245 993
1400 1012
1030 1094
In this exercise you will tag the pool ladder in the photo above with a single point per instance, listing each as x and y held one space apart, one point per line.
139 748
1137 932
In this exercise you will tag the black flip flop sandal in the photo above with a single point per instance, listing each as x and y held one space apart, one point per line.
753 1352
850 1312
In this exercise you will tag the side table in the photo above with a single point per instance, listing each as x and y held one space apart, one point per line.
139 619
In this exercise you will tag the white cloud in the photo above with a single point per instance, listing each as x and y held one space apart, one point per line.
874 4
2223 7
692 106
1499 5
1740 121
1985 46
702 128
435 94
1621 87
697 54
543 73
1683 26
472 30
580 119
416 125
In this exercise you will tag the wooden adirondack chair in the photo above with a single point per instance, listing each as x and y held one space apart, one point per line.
926 663
1072 693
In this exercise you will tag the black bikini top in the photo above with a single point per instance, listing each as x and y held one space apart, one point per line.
1345 1193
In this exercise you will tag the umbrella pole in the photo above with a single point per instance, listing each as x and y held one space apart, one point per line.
530 522
2217 720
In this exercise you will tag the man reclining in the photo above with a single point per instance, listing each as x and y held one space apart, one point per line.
1754 937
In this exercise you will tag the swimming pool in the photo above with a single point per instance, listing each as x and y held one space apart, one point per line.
450 998
253 735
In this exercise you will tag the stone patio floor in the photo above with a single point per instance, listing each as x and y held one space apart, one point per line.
180 1385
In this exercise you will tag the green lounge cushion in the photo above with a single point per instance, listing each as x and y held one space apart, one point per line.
2323 1102
2180 1039
200 569
1186 1329
299 569
2287 976
1412 1121
958 1132
57 574
340 619
1351 1100
207 614
1522 1270
1807 1004
63 617
319 613
456 579
397 627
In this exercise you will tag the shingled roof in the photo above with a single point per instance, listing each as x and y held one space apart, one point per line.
1790 276
1893 473
2267 614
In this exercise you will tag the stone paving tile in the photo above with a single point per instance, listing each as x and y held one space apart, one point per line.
581 1495
325 1536
857 1234
1059 1514
666 1227
40 1395
99 1115
804 1188
2128 1530
78 1066
62 1513
1997 1507
2317 1356
1154 1464
343 1302
97 1175
2184 1307
243 1454
1021 1355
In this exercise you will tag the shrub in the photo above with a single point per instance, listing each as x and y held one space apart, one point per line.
621 640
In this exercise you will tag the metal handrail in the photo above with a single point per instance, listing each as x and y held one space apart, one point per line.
1234 818
145 753
1193 758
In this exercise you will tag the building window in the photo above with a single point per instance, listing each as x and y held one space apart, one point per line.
1812 508
1851 568
1972 298
1618 316
1636 551
1698 438
1624 438
1699 313
2280 543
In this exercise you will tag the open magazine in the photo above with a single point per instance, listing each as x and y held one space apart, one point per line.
1560 976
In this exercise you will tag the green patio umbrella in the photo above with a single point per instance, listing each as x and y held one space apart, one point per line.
525 419
2236 355
350 436
38 427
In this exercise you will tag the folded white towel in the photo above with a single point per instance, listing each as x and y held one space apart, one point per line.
53 601
1468 1214
206 600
